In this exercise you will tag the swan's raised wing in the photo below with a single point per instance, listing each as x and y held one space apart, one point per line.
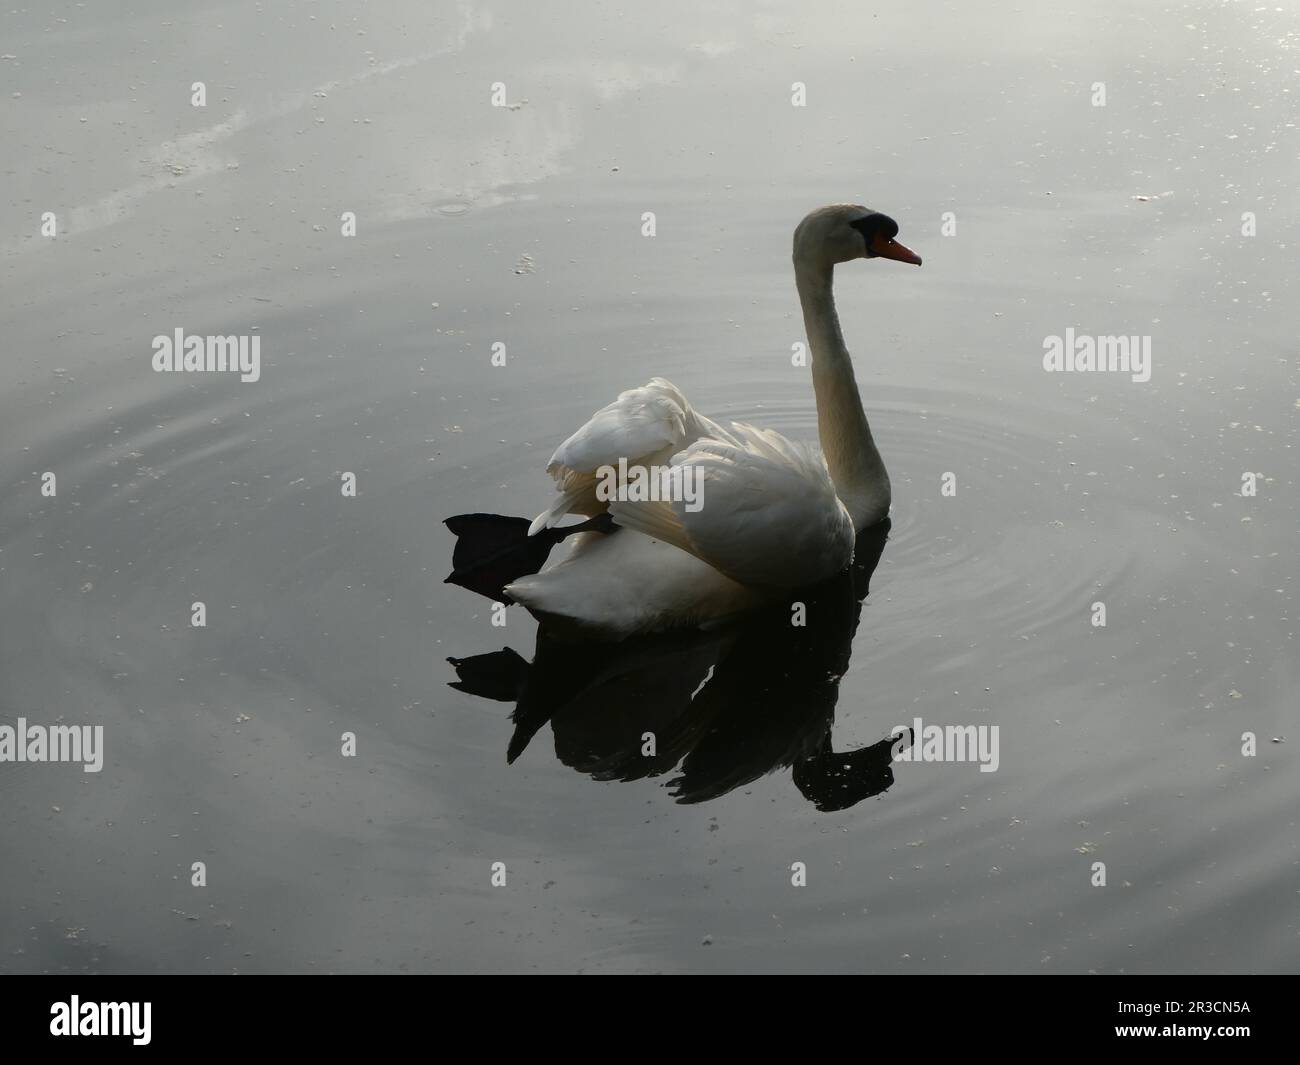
764 510
643 427
640 422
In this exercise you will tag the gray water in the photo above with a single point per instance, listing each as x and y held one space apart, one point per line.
522 225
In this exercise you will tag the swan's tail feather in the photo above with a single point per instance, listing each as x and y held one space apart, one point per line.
575 488
493 550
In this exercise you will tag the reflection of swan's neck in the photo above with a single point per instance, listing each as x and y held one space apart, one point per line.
851 455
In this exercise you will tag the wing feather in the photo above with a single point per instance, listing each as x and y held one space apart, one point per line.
645 426
767 514
640 422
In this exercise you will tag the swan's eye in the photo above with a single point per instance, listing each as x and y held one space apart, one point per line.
878 233
875 225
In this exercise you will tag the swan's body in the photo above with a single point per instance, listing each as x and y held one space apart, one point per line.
774 514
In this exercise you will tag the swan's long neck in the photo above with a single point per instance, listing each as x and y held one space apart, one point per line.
855 464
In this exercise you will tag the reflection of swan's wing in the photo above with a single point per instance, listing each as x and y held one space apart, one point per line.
642 426
765 513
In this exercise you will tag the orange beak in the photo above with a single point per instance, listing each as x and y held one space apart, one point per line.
891 249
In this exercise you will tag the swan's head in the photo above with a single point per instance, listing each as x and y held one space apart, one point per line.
846 231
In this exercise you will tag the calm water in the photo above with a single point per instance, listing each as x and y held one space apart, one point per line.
522 225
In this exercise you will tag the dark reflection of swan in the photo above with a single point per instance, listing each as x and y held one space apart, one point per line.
724 706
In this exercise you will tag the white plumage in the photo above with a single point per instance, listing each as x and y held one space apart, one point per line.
768 519
645 427
773 515
768 514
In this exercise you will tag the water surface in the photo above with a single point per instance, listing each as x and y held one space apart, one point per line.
521 225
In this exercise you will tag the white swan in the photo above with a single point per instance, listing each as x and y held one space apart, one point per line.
775 514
